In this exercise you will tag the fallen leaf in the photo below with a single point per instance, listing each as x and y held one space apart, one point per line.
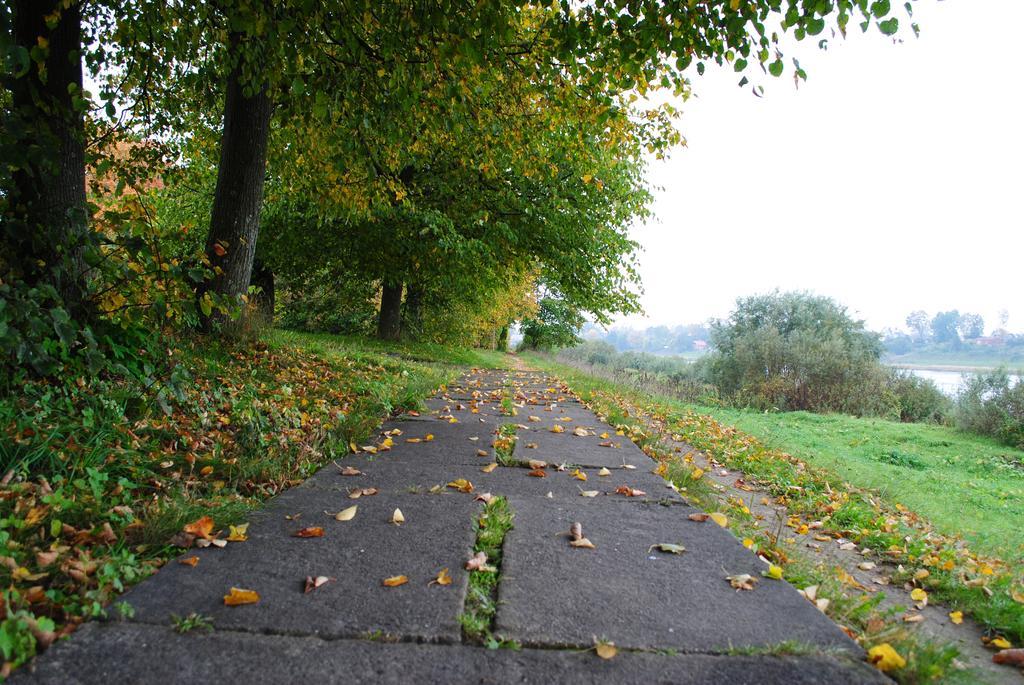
774 572
578 475
629 492
534 419
397 517
606 650
347 514
866 565
956 617
490 467
309 532
742 581
351 471
395 581
482 453
461 484
885 658
1011 657
604 472
218 543
428 437
479 563
443 578
362 492
189 561
1000 642
582 542
580 432
531 445
537 464
484 497
919 595
238 596
538 473
238 533
667 547
205 471
719 518
589 493
557 429
313 583
414 440
201 527
701 517
576 530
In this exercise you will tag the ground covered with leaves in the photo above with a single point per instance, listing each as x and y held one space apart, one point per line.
101 473
937 564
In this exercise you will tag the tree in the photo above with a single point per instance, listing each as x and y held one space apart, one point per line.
793 351
944 327
970 326
919 324
556 324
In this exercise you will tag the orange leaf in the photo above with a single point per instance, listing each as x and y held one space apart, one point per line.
395 581
538 473
189 561
309 532
201 527
238 596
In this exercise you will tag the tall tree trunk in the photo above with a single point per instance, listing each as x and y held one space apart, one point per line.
47 241
503 339
238 198
263 304
412 322
389 325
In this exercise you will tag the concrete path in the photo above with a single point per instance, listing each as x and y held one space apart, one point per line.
673 617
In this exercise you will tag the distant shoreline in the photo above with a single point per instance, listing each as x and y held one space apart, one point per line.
953 368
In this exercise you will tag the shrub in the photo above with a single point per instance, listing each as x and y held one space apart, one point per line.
991 404
918 399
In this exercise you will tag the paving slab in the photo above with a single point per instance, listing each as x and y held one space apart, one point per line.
438 533
637 598
114 654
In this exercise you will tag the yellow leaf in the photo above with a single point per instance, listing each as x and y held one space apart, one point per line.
606 650
885 658
238 533
697 473
395 581
720 519
918 595
397 518
774 572
461 484
579 475
748 543
956 617
443 578
1001 643
237 596
428 437
347 514
557 429
205 471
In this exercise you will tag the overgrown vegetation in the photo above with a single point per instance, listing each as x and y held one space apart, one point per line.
955 518
991 404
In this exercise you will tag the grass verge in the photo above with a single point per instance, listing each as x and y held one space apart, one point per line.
478 614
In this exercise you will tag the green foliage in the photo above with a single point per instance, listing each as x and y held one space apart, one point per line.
917 399
992 404
555 324
794 351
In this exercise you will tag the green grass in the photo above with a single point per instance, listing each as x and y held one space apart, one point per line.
481 605
964 484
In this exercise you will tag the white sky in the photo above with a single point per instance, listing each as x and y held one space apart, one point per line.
891 180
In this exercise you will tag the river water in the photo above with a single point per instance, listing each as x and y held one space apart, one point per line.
949 382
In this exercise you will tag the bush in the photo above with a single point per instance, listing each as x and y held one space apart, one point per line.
918 399
991 404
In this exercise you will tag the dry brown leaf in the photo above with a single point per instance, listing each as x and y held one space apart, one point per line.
395 581
313 583
490 467
309 532
1010 657
482 453
537 464
351 471
576 530
700 517
582 542
743 581
238 596
581 432
479 563
629 492
484 497
531 445
362 492
606 650
538 473
238 533
189 561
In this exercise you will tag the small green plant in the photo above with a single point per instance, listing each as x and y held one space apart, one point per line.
194 621
481 605
897 458
505 444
